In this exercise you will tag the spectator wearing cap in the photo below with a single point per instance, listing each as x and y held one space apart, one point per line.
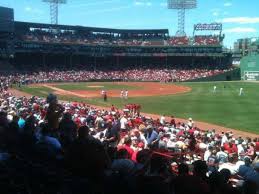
151 135
212 162
111 136
127 146
222 156
54 112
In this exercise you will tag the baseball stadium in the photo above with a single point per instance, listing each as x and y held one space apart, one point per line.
105 110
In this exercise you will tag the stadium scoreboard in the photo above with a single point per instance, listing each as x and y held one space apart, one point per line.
250 67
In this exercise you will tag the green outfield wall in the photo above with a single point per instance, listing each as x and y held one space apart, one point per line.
250 67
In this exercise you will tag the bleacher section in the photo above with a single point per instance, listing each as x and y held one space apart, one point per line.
206 40
32 32
177 41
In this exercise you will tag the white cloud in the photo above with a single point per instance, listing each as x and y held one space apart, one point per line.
215 13
148 3
142 3
240 30
28 9
228 4
241 20
32 10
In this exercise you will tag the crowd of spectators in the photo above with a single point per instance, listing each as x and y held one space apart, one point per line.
206 40
163 75
95 39
178 41
68 147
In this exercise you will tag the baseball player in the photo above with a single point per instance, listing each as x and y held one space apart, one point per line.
122 93
126 94
105 97
214 89
240 91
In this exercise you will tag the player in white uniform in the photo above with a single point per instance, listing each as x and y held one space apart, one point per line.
122 94
240 91
126 94
214 89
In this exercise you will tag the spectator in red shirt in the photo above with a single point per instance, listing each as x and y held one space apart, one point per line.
113 108
127 146
230 147
139 148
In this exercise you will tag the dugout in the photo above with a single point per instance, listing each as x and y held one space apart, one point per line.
250 67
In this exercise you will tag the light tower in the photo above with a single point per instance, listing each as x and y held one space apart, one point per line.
54 9
181 6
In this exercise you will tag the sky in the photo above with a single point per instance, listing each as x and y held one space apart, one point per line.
240 18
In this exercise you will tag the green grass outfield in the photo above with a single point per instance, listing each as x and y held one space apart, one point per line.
224 108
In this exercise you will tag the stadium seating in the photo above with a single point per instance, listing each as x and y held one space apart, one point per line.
206 40
164 75
178 41
49 37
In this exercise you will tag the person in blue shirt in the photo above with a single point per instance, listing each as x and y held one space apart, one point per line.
21 123
151 135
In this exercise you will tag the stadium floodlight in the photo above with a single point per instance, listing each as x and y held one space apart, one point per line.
181 6
54 9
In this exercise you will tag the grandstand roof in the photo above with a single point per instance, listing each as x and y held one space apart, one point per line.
93 29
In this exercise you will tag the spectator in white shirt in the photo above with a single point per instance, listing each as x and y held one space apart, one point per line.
208 153
123 122
162 119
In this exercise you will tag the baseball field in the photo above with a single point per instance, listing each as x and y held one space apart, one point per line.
183 100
